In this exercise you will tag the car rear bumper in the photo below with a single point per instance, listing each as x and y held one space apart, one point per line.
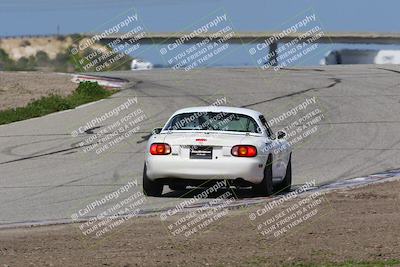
230 168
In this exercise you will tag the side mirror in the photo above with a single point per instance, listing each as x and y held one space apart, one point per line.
281 134
156 131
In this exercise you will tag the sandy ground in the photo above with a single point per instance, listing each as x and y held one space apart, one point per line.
25 47
18 88
350 225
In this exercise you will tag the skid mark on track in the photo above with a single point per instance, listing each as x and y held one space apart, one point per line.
38 156
334 83
395 71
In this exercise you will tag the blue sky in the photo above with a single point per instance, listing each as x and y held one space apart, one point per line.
42 16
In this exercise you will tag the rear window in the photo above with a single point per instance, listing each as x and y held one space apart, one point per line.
213 121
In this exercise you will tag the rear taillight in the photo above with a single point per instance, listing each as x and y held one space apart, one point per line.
244 151
160 149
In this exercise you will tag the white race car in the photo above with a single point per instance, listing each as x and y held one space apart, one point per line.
138 64
217 143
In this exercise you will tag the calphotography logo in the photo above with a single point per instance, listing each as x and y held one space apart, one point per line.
112 47
287 213
291 46
101 119
186 218
207 43
299 123
103 216
112 128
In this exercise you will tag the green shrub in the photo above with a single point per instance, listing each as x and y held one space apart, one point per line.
85 93
42 58
5 61
91 89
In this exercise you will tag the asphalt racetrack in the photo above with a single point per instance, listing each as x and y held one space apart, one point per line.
45 176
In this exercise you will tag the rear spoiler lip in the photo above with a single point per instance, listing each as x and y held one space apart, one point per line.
210 132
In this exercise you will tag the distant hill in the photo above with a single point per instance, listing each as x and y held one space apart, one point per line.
53 54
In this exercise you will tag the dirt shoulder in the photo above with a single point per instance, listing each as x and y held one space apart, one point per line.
350 225
18 88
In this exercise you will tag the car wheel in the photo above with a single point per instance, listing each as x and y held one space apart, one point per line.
177 187
286 183
151 188
265 188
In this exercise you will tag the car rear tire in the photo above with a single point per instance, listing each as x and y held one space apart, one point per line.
151 188
265 188
286 183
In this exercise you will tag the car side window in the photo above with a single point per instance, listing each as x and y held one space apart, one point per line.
267 128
